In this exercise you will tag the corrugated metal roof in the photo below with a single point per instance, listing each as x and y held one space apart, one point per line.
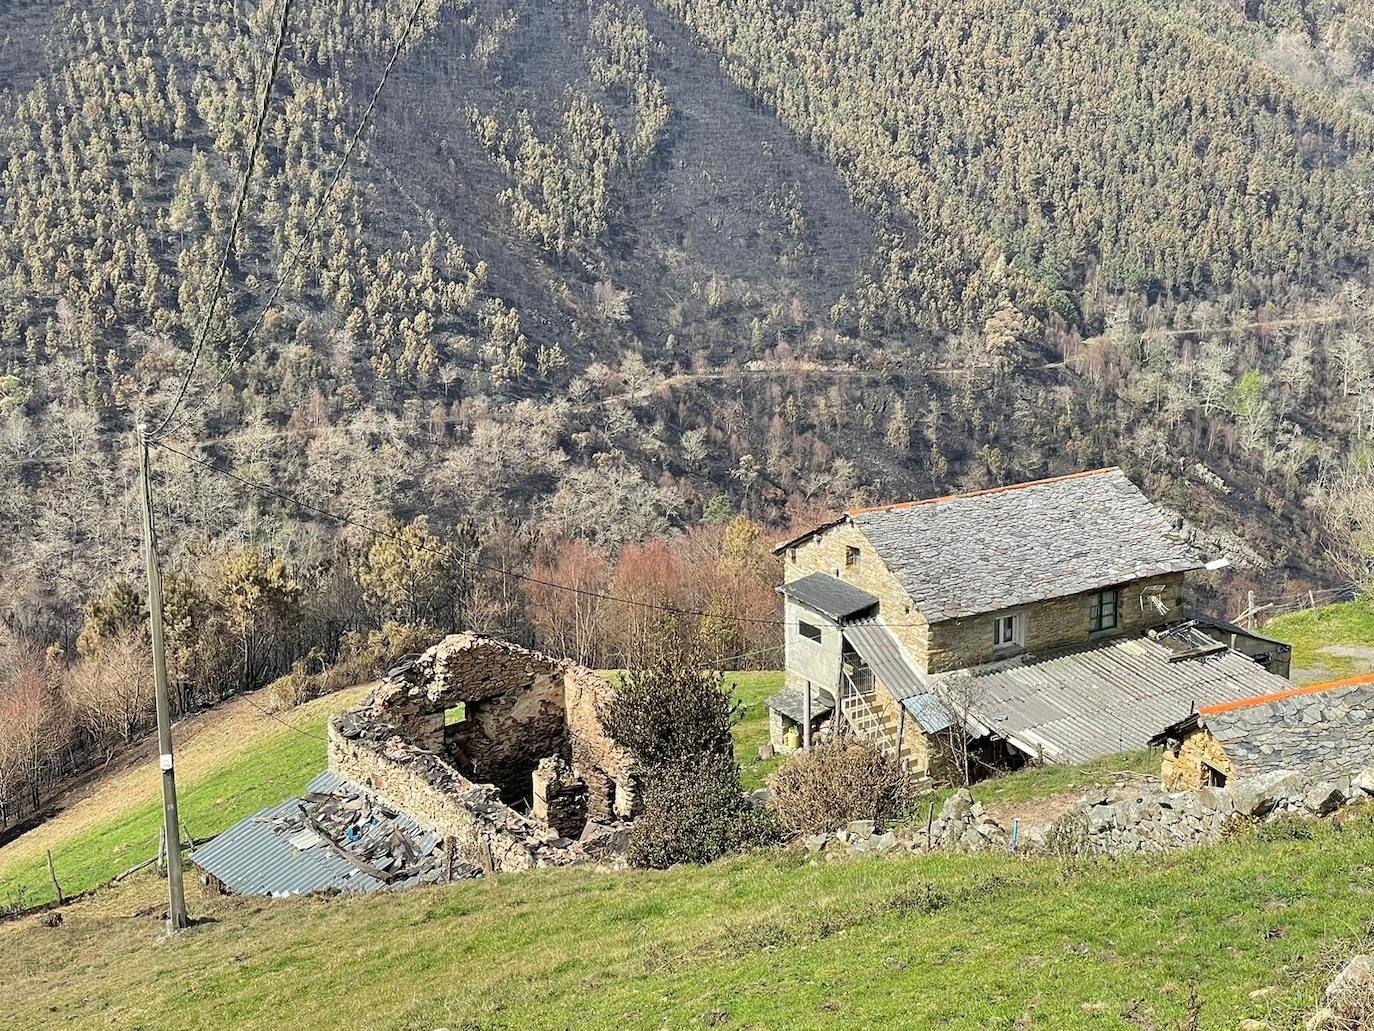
256 857
831 597
883 654
930 713
997 549
789 701
1113 697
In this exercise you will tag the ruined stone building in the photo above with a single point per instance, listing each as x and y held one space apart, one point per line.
479 756
1322 732
1041 621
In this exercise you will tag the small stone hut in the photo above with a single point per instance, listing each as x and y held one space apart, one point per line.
1323 732
494 746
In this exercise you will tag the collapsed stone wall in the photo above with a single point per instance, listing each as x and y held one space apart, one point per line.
1139 819
530 733
486 831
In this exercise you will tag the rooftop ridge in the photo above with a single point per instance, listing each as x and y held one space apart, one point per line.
1082 474
1297 692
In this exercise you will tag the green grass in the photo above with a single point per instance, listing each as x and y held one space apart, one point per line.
753 690
268 763
1314 632
777 941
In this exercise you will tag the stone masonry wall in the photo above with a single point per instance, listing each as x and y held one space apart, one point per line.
1050 625
957 644
531 728
1184 770
825 553
487 833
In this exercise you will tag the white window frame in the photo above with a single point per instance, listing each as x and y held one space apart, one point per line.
1009 631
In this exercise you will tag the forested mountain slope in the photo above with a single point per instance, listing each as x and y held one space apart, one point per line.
599 262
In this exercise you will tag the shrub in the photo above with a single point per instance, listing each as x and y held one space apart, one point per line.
672 710
818 791
695 812
362 656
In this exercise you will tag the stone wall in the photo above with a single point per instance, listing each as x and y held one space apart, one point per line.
531 732
611 773
1185 768
825 553
487 832
1140 819
1049 625
960 643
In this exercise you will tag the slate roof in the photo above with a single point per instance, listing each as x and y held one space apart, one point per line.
1076 706
256 856
996 549
831 597
1327 729
788 701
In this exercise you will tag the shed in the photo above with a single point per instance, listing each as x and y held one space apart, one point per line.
1322 731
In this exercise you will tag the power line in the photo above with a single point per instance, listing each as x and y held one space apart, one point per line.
275 716
239 207
292 255
535 581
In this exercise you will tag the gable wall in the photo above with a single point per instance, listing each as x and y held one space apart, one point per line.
1182 769
1050 625
824 553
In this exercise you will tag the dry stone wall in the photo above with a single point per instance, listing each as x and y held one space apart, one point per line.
1142 819
531 731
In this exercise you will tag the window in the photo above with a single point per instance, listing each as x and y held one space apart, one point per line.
1009 631
809 631
1212 777
1102 616
851 556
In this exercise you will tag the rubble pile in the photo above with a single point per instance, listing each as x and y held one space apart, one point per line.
372 836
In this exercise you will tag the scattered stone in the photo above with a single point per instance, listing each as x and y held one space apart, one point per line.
816 842
860 828
1323 799
1350 996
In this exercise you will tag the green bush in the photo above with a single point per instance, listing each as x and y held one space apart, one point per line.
821 790
695 812
671 709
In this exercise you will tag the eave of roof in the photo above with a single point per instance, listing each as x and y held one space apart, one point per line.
829 596
792 542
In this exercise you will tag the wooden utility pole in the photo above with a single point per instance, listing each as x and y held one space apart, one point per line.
176 894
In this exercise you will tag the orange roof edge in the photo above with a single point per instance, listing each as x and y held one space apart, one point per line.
986 490
1245 703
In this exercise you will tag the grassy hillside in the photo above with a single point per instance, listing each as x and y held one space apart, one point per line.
1329 642
778 942
238 764
235 766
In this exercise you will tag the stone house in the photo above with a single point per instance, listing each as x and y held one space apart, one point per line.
1319 733
1041 621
